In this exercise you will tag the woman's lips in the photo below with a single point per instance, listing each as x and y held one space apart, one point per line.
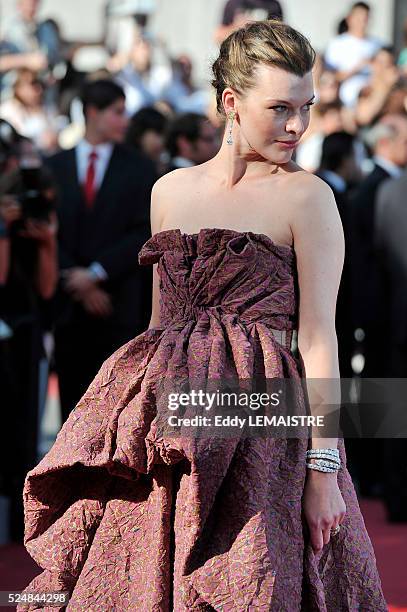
288 144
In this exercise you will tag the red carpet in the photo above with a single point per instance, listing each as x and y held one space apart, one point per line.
390 544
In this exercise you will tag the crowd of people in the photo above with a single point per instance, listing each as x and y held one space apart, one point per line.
79 155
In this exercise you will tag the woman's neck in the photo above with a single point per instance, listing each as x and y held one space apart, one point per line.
237 162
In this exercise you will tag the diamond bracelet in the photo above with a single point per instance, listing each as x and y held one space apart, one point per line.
327 451
330 458
321 468
326 459
333 465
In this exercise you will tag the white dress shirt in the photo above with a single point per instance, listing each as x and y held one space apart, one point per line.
335 180
182 162
83 150
394 170
104 152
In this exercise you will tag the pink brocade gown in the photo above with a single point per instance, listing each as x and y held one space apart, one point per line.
126 520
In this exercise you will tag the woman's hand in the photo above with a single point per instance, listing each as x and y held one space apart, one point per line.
323 505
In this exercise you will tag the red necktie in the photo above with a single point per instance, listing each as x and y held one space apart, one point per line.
90 188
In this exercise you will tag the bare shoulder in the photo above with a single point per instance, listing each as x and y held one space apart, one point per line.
314 215
170 181
167 191
309 188
310 195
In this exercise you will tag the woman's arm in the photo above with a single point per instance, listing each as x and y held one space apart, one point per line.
36 61
370 105
342 75
156 214
319 246
155 310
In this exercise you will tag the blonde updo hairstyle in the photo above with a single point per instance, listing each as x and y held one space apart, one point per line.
269 42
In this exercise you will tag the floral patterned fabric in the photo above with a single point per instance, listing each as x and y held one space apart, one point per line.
124 519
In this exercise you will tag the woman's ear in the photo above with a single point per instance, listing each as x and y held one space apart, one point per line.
229 101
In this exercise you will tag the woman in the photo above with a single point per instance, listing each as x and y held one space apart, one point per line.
28 114
125 518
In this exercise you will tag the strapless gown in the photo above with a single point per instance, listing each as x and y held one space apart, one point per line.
124 519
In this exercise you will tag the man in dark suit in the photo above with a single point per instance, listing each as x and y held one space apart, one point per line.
104 202
388 141
390 238
340 170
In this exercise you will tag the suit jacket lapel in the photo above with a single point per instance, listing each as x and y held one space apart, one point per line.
382 172
109 177
72 171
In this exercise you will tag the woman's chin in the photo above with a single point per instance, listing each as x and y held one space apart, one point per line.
280 157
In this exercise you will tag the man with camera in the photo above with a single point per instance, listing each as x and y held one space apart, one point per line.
28 274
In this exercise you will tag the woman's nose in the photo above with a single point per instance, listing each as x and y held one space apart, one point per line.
295 124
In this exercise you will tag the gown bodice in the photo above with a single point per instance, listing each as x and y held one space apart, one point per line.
224 272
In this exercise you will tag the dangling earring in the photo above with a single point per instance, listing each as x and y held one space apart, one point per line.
231 115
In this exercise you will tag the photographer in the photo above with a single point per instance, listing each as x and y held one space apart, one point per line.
28 273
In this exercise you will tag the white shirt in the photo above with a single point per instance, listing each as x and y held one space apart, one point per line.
104 152
344 52
394 170
182 162
335 180
83 150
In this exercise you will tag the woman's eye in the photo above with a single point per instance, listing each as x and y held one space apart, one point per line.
280 108
308 106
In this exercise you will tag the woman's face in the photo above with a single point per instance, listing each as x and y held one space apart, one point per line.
152 144
274 114
29 92
328 87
